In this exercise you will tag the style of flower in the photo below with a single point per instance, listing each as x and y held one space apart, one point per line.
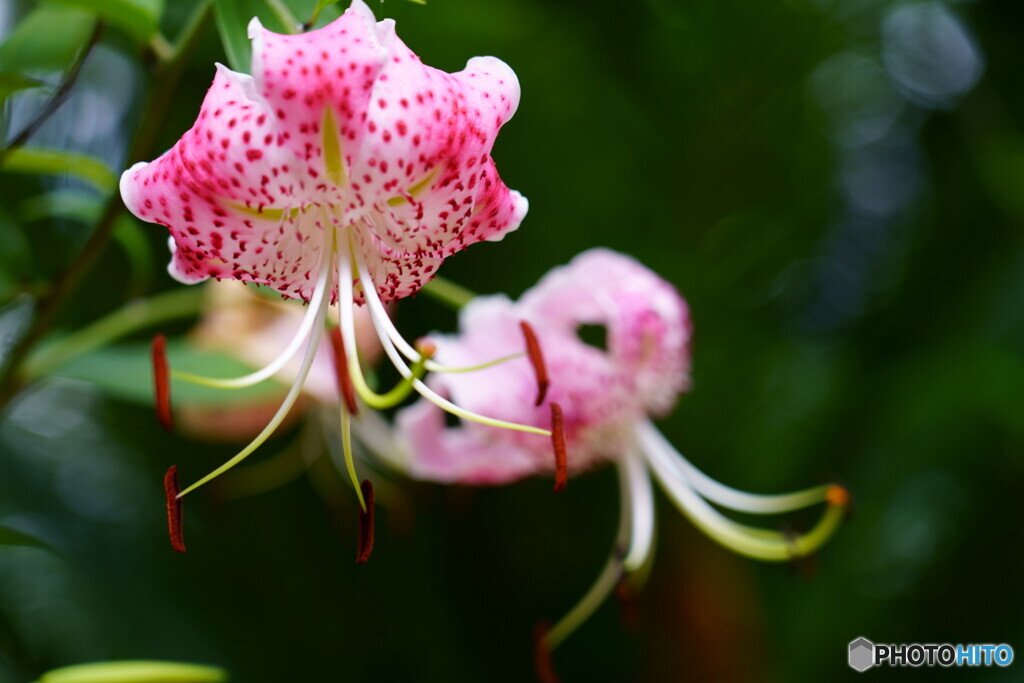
609 395
343 170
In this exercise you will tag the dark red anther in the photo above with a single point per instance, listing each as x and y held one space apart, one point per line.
348 392
558 442
536 360
162 382
542 664
172 489
365 524
629 612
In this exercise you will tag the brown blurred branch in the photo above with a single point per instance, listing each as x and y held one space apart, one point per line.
162 94
59 97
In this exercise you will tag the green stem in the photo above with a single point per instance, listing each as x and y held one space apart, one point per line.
162 95
161 47
312 20
137 315
448 293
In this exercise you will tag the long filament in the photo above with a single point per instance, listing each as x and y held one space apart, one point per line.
370 294
633 542
723 495
289 400
761 544
380 313
315 304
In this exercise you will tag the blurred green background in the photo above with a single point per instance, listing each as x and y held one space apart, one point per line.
836 188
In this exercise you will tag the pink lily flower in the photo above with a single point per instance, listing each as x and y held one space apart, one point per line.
610 395
343 170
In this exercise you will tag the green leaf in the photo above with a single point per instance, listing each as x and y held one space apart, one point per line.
76 205
135 672
46 40
325 3
138 18
124 371
15 252
129 235
11 536
60 162
233 18
11 83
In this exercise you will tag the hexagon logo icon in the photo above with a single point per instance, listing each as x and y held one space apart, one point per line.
862 654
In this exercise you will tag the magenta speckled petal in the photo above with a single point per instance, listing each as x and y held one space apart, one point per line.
341 127
604 393
647 322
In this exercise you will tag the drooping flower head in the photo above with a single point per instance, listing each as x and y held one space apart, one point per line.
604 391
610 394
342 170
344 130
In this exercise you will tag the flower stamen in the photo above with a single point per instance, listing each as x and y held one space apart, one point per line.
345 388
543 666
174 509
381 315
316 302
313 342
734 499
161 382
631 550
378 315
365 546
540 370
350 464
758 543
558 443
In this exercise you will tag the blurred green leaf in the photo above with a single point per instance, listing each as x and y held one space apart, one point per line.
11 83
46 40
139 18
130 236
60 162
69 204
10 536
135 672
15 252
233 18
124 371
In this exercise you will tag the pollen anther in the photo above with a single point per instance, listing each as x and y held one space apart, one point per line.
365 546
536 360
171 488
345 388
558 442
162 382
